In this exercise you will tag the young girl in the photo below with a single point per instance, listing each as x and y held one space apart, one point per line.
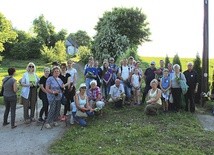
165 85
136 83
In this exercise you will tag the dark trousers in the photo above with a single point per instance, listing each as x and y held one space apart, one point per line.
67 106
189 99
176 94
30 103
145 92
44 108
10 106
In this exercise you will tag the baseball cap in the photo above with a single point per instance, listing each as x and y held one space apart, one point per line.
152 63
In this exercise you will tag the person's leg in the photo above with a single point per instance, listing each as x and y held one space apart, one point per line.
51 113
57 110
13 110
25 103
7 109
186 97
33 99
192 102
146 90
42 109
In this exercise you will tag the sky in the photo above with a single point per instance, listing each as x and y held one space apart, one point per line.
176 25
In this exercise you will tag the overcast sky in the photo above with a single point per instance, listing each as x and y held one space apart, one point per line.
176 25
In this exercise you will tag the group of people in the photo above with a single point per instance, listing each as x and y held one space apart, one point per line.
108 83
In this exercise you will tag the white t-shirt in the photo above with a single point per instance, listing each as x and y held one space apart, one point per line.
125 72
116 91
136 80
72 72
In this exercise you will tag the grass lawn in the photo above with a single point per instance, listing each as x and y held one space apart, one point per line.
130 131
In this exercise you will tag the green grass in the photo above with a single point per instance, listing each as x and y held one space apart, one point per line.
130 131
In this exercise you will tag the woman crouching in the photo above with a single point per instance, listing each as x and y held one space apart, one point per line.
154 99
81 108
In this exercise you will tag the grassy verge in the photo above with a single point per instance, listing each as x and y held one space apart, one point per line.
129 131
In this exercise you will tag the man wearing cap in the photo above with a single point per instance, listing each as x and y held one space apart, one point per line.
149 75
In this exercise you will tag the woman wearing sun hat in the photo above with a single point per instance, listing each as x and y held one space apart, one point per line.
82 106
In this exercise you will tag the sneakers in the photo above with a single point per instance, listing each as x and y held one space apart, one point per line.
41 120
72 119
27 121
14 126
33 119
48 126
55 124
6 123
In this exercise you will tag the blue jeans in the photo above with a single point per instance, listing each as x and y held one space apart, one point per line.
127 90
82 121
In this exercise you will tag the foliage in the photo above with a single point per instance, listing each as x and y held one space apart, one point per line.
129 22
81 38
109 43
176 60
166 61
83 53
197 67
46 31
130 131
57 53
118 30
6 31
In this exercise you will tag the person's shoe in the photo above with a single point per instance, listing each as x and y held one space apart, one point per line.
48 126
72 119
55 124
6 123
33 119
41 120
63 118
27 121
14 126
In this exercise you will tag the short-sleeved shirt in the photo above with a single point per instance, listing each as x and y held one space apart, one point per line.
124 71
42 81
93 93
165 82
72 72
91 70
107 73
150 75
174 81
116 91
54 86
8 86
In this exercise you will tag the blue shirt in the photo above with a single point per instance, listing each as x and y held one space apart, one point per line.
91 70
165 81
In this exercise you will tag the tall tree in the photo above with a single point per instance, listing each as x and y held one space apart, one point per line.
176 60
118 30
166 61
6 31
198 69
129 22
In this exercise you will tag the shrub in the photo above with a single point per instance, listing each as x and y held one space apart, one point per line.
83 53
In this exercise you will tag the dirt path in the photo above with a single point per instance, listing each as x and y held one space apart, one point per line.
27 139
207 121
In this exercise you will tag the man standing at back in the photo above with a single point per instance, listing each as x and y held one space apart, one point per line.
192 81
149 75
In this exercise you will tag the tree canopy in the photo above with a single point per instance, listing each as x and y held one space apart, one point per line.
118 30
81 38
6 31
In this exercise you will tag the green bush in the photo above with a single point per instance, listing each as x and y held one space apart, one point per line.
83 53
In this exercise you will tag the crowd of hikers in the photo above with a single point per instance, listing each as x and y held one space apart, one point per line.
108 83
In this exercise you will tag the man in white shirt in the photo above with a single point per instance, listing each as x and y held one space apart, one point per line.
124 75
117 94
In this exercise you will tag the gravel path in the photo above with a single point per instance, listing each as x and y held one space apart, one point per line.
27 139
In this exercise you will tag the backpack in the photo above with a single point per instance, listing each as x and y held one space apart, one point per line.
183 85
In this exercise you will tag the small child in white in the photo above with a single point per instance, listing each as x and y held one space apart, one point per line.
136 84
165 85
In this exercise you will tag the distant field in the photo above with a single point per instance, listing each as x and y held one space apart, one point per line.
184 62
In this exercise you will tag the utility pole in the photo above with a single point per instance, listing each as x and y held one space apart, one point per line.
205 56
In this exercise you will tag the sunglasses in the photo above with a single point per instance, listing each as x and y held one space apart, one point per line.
83 87
31 66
